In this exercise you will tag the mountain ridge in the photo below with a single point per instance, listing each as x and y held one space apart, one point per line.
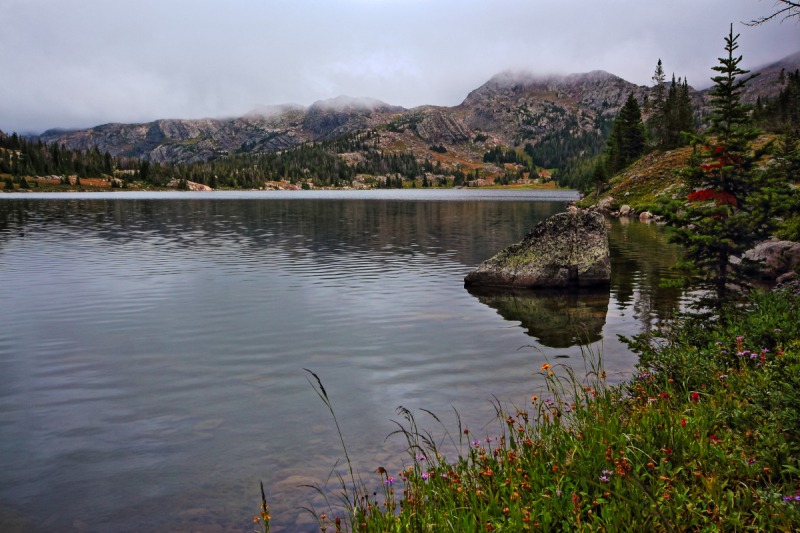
512 108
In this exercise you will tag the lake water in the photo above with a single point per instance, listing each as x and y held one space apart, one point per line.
152 345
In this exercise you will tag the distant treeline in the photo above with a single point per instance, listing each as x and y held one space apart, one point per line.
23 157
319 164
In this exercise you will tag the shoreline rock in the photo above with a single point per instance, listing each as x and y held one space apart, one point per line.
566 250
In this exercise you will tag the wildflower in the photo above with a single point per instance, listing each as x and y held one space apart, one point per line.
608 472
751 460
425 475
534 398
695 397
389 481
723 376
604 479
713 437
683 422
421 457
545 367
776 330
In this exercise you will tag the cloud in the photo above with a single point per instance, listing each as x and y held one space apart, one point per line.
76 64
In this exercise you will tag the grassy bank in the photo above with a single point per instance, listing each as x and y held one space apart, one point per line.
705 437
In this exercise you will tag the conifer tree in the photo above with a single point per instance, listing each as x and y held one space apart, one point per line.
724 213
626 143
658 101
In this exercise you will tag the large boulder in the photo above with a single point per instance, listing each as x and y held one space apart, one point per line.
775 258
567 249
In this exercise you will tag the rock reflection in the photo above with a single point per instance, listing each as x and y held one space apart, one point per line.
557 319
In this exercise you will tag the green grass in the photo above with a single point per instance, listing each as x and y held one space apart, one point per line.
705 437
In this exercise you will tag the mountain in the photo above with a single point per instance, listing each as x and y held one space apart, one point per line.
558 116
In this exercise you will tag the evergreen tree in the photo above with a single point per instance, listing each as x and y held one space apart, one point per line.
658 100
600 177
724 214
627 140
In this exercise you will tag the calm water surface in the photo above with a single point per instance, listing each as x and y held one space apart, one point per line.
152 345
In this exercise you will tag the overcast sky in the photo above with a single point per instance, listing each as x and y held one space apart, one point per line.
79 63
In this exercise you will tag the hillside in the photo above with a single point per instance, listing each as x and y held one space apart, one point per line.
654 177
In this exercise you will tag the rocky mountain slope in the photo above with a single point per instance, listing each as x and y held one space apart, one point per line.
511 109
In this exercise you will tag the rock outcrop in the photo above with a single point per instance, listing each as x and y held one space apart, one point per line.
567 249
775 258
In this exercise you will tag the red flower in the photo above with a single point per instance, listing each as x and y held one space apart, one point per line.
683 422
695 397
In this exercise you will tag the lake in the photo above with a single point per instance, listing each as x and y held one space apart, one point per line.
152 345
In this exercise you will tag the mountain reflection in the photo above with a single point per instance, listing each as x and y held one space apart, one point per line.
556 319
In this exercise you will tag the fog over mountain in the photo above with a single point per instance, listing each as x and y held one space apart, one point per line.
80 64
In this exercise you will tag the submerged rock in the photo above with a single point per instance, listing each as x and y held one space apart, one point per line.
567 249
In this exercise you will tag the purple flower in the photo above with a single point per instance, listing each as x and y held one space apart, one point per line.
421 457
723 376
425 475
604 479
389 481
608 472
776 330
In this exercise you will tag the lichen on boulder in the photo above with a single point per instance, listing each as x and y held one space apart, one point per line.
567 249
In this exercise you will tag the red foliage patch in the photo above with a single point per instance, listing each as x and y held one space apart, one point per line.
719 197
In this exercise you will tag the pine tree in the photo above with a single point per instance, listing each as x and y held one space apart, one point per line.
725 212
657 101
626 143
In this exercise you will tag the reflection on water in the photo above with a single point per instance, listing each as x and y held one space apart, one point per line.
555 320
152 350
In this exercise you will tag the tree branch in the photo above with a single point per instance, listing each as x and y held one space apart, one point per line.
791 8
